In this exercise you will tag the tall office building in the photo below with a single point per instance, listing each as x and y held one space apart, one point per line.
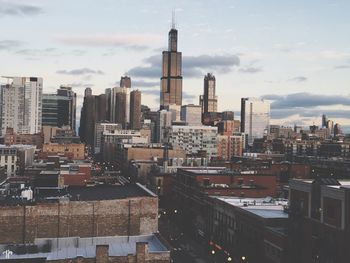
67 107
113 107
121 102
93 110
135 110
21 105
324 121
59 109
209 101
255 117
171 80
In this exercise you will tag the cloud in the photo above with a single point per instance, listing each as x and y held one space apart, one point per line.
343 66
132 41
144 84
193 66
305 100
36 52
151 91
251 70
81 85
308 113
9 44
187 96
80 71
17 9
298 79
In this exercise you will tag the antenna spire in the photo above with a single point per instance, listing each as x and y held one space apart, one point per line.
173 20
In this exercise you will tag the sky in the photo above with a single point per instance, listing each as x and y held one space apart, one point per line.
295 54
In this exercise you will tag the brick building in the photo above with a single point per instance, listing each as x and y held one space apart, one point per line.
102 210
76 149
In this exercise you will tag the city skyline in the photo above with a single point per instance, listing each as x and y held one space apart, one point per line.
295 51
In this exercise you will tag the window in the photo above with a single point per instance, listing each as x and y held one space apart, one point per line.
330 211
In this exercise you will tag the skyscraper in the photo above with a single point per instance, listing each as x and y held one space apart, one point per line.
60 109
67 107
171 80
120 116
255 117
113 107
21 105
209 101
135 110
93 110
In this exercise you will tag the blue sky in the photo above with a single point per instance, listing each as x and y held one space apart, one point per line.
276 49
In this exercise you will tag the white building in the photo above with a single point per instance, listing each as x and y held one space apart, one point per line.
8 159
255 118
21 105
100 128
191 114
193 139
164 120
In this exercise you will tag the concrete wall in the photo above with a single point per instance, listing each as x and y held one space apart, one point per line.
20 224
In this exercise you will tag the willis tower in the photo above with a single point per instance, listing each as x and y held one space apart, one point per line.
171 80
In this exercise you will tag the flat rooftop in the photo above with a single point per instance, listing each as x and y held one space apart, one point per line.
84 193
276 211
71 247
97 192
207 170
256 202
264 207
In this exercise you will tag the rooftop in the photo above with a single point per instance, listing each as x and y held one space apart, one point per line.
256 203
97 192
71 247
274 211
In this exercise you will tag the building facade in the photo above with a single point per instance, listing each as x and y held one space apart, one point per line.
194 139
135 110
21 105
209 101
191 114
171 80
255 118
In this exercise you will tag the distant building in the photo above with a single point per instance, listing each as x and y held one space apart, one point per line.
59 109
230 146
67 107
135 110
171 80
100 128
93 110
255 118
21 107
194 139
191 114
209 101
121 109
163 124
77 150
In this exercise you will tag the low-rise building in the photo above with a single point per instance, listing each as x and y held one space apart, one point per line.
77 150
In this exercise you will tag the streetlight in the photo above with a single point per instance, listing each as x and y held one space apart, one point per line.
213 252
175 211
243 258
229 259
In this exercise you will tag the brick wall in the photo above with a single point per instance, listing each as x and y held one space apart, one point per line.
78 218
